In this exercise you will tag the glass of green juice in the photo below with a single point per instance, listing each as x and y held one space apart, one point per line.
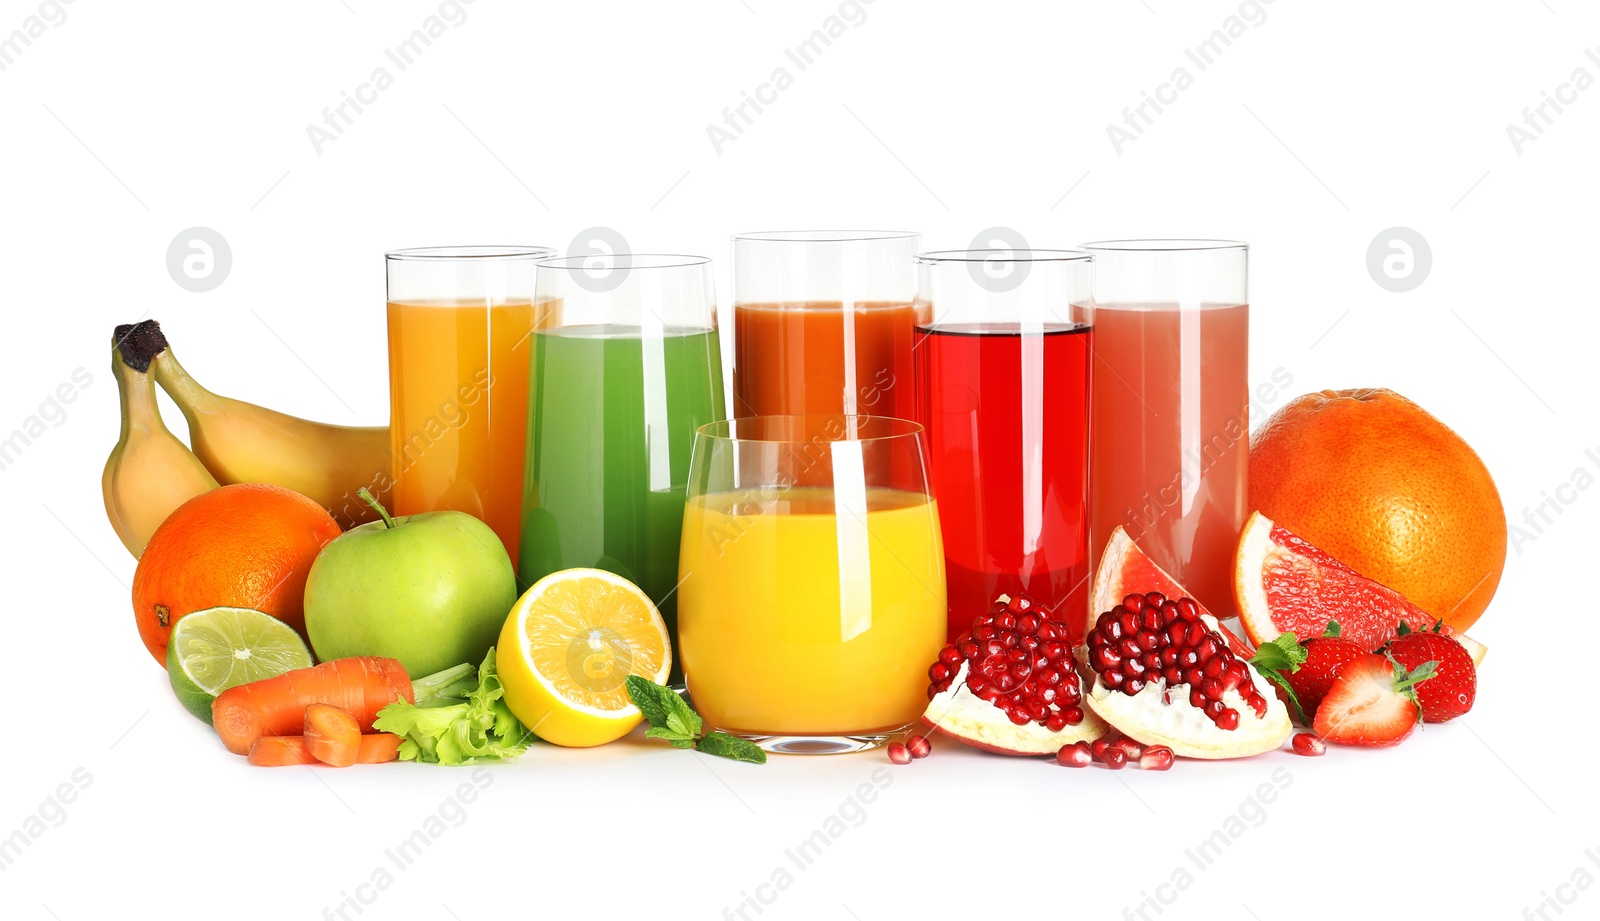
625 365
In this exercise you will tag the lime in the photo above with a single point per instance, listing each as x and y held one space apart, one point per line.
217 648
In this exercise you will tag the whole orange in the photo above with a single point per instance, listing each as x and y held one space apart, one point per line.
1372 478
249 545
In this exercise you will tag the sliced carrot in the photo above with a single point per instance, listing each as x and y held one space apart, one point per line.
280 751
276 706
378 747
332 735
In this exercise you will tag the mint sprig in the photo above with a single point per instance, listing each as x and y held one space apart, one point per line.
675 722
1281 657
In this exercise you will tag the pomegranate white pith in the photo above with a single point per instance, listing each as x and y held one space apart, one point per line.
1163 674
960 714
1149 718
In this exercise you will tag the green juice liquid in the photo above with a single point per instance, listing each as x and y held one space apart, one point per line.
612 422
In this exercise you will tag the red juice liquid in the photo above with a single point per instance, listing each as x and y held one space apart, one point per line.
1006 414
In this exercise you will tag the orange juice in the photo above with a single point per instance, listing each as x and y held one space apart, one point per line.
809 612
459 408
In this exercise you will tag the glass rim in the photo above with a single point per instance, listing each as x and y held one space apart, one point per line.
935 257
1165 245
634 261
725 430
824 236
489 251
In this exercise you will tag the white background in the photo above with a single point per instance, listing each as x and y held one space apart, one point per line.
1316 129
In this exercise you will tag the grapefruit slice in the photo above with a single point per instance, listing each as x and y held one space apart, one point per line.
1283 583
1126 570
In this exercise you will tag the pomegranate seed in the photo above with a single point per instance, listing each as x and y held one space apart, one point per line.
1115 759
1129 747
1156 758
1098 746
1133 602
898 753
1228 719
1017 660
1309 744
919 746
1075 755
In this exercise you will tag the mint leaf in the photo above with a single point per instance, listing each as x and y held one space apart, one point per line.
1333 629
650 698
1288 691
1284 654
661 732
684 721
726 746
1281 657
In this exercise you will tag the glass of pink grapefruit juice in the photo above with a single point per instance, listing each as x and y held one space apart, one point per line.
1171 427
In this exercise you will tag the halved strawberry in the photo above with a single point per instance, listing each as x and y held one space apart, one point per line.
1373 701
1454 685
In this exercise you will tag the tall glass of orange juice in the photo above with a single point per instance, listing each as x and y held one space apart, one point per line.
812 594
461 322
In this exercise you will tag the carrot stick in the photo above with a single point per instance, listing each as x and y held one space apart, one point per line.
378 747
332 735
280 751
276 706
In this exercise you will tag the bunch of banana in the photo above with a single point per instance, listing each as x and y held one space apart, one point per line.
240 442
150 472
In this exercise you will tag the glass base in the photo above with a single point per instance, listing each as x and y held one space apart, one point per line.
822 744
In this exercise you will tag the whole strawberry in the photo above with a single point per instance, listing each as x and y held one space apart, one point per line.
1307 669
1454 685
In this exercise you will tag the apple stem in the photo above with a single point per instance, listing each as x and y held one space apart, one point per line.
365 495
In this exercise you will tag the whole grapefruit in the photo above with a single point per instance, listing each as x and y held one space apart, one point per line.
1373 479
249 545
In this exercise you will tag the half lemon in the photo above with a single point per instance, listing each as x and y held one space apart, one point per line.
567 649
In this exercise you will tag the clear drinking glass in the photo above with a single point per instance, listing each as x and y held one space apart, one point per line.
823 322
1003 390
460 321
813 591
1171 423
626 367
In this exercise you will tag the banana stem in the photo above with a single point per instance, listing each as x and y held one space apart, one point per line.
365 495
140 412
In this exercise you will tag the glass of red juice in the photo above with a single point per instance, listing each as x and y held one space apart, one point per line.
1003 387
1171 406
823 322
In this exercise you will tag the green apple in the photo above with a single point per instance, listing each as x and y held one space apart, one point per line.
432 590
